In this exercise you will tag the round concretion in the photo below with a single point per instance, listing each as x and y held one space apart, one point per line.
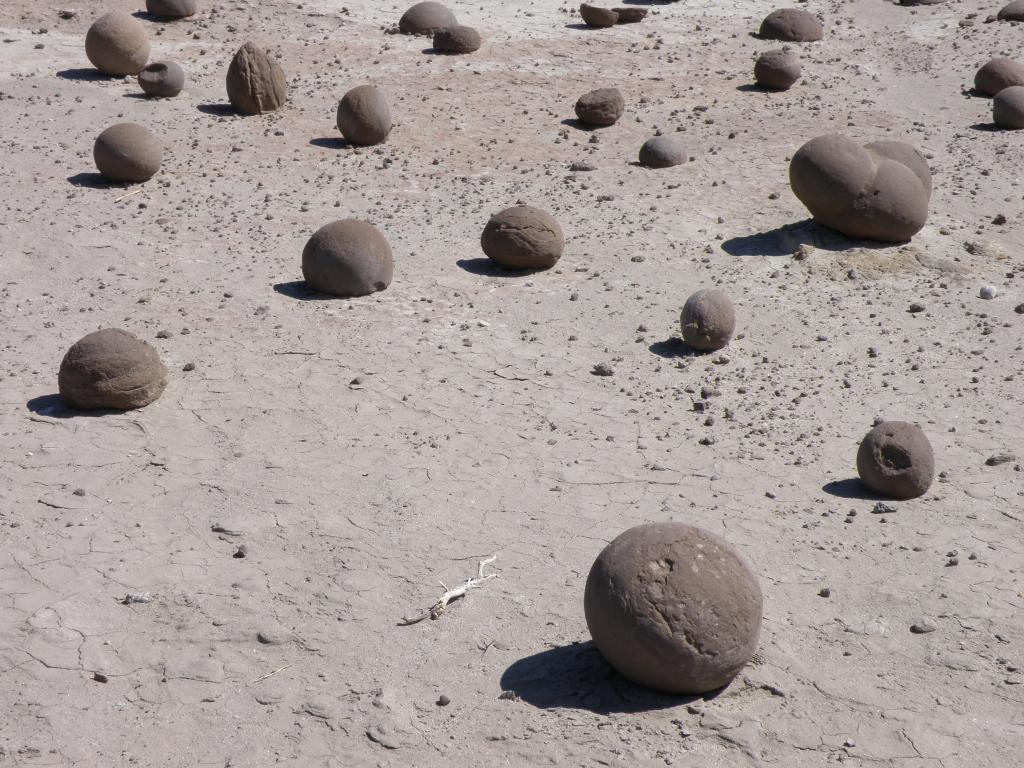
426 18
363 116
1012 12
117 45
593 16
162 78
111 369
523 237
348 258
457 39
876 192
791 25
997 74
777 69
662 152
895 460
127 152
1008 108
708 320
601 107
255 81
172 9
673 607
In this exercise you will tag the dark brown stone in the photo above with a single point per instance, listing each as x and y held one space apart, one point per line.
457 39
348 258
791 25
111 369
255 82
426 18
777 69
997 74
363 116
523 237
708 320
895 460
117 45
1008 108
601 107
593 16
630 15
127 152
164 79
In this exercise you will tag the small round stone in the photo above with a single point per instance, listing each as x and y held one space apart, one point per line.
1013 11
163 79
1008 108
895 460
791 25
601 107
348 258
673 607
457 39
777 69
255 81
662 152
997 74
127 152
595 16
426 18
708 320
111 369
172 9
117 44
363 116
523 237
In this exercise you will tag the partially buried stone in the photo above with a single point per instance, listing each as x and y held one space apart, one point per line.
457 39
127 152
662 152
163 79
708 320
896 460
111 369
777 69
594 16
255 81
600 107
348 258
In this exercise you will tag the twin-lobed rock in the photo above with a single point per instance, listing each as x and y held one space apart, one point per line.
363 116
163 79
348 258
708 320
117 44
111 369
600 107
523 237
127 152
426 18
895 460
997 74
1013 11
777 69
255 81
791 25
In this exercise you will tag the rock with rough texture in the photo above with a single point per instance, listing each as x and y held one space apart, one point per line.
673 607
997 74
877 192
255 81
172 9
1008 108
426 18
791 25
594 16
163 79
601 107
662 152
708 320
363 116
895 460
457 39
630 15
117 44
348 258
1012 11
778 69
127 152
523 237
111 369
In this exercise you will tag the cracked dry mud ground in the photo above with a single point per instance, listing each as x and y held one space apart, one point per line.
364 450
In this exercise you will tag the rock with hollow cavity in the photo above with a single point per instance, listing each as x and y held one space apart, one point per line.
895 460
662 152
1008 108
708 320
127 152
363 116
601 107
778 69
426 18
457 39
523 237
594 16
791 25
255 81
117 44
172 9
348 258
163 79
997 74
111 369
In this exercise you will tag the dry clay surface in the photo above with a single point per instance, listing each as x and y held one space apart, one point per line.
357 452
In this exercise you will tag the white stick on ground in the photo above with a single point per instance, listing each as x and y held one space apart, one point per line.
437 609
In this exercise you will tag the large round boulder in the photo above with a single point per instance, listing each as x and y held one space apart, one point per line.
426 18
601 107
111 369
363 116
172 9
997 74
777 69
523 237
1008 108
348 258
708 320
255 81
895 460
791 25
117 44
162 79
127 152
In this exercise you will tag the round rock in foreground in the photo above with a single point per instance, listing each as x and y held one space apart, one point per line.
1012 11
163 79
673 607
523 237
791 25
708 320
595 16
895 460
778 69
997 74
601 107
255 81
1008 108
457 39
426 18
127 152
662 152
172 9
363 116
117 45
348 258
111 369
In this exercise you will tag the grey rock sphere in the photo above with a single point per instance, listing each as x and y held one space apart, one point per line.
426 18
630 15
876 192
673 607
600 107
255 81
777 69
457 39
163 79
997 74
595 16
363 116
111 369
662 152
1008 108
791 25
127 152
523 237
1012 11
348 258
117 44
172 9
895 460
708 320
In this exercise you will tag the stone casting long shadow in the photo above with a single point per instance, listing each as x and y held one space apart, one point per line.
784 240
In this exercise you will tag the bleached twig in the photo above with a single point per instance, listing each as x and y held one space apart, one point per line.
122 197
437 609
261 678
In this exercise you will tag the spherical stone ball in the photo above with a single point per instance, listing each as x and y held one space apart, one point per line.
255 81
708 320
163 79
426 18
172 9
1008 108
111 369
673 607
523 237
348 258
457 39
662 152
630 15
997 74
1012 11
895 460
594 16
363 116
777 69
601 107
791 25
117 45
876 192
127 152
